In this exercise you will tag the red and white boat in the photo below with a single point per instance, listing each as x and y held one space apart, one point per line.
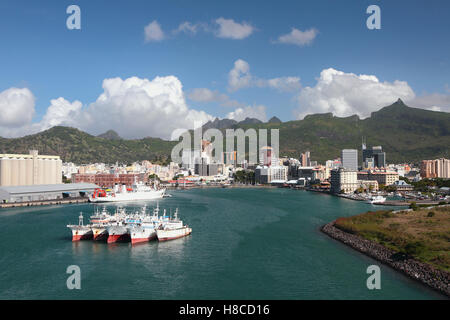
172 229
80 231
99 223
145 230
138 192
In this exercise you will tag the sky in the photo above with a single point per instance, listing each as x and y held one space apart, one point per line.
148 68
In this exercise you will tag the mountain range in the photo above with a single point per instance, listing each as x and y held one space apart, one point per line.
406 134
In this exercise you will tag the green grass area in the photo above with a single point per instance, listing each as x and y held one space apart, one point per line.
423 234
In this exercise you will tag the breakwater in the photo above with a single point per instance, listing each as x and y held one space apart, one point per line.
436 279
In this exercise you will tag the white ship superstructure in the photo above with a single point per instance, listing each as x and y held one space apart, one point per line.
138 192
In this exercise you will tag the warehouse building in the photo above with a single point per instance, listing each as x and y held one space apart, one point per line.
29 169
45 192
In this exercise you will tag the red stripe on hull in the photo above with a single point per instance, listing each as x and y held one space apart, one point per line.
118 238
99 237
140 240
81 237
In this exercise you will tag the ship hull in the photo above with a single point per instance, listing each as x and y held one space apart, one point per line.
171 234
118 238
132 196
141 234
81 233
117 234
99 233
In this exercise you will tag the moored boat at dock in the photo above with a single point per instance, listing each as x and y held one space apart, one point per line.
135 227
376 199
138 192
172 229
80 231
165 234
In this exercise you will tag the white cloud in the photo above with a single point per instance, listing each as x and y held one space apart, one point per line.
240 77
258 112
207 95
137 107
61 112
133 107
153 32
298 37
186 27
230 29
346 94
281 84
16 107
433 101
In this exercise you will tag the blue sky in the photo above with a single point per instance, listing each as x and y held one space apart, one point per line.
41 54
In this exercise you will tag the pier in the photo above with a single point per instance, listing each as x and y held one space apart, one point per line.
44 202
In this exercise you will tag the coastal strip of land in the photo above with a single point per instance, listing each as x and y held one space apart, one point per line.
44 202
434 275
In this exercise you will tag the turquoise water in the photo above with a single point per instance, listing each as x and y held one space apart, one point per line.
246 244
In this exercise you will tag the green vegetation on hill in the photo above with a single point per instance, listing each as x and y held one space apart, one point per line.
77 146
423 233
406 134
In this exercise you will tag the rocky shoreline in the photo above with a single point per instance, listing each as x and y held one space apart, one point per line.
436 279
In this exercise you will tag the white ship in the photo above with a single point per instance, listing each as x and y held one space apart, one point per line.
170 234
80 231
376 199
146 230
138 192
172 229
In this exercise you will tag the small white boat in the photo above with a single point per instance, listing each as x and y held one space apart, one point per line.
376 199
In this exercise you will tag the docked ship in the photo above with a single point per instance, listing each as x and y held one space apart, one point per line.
172 229
123 226
146 229
138 192
99 224
376 199
80 231
117 232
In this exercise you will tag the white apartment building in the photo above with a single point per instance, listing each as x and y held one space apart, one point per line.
344 180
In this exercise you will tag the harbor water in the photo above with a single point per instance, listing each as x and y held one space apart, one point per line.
247 243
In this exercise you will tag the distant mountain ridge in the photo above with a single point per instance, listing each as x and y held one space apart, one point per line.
110 135
274 120
228 123
406 134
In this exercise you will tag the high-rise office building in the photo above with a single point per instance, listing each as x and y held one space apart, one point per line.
374 156
350 159
305 159
439 168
